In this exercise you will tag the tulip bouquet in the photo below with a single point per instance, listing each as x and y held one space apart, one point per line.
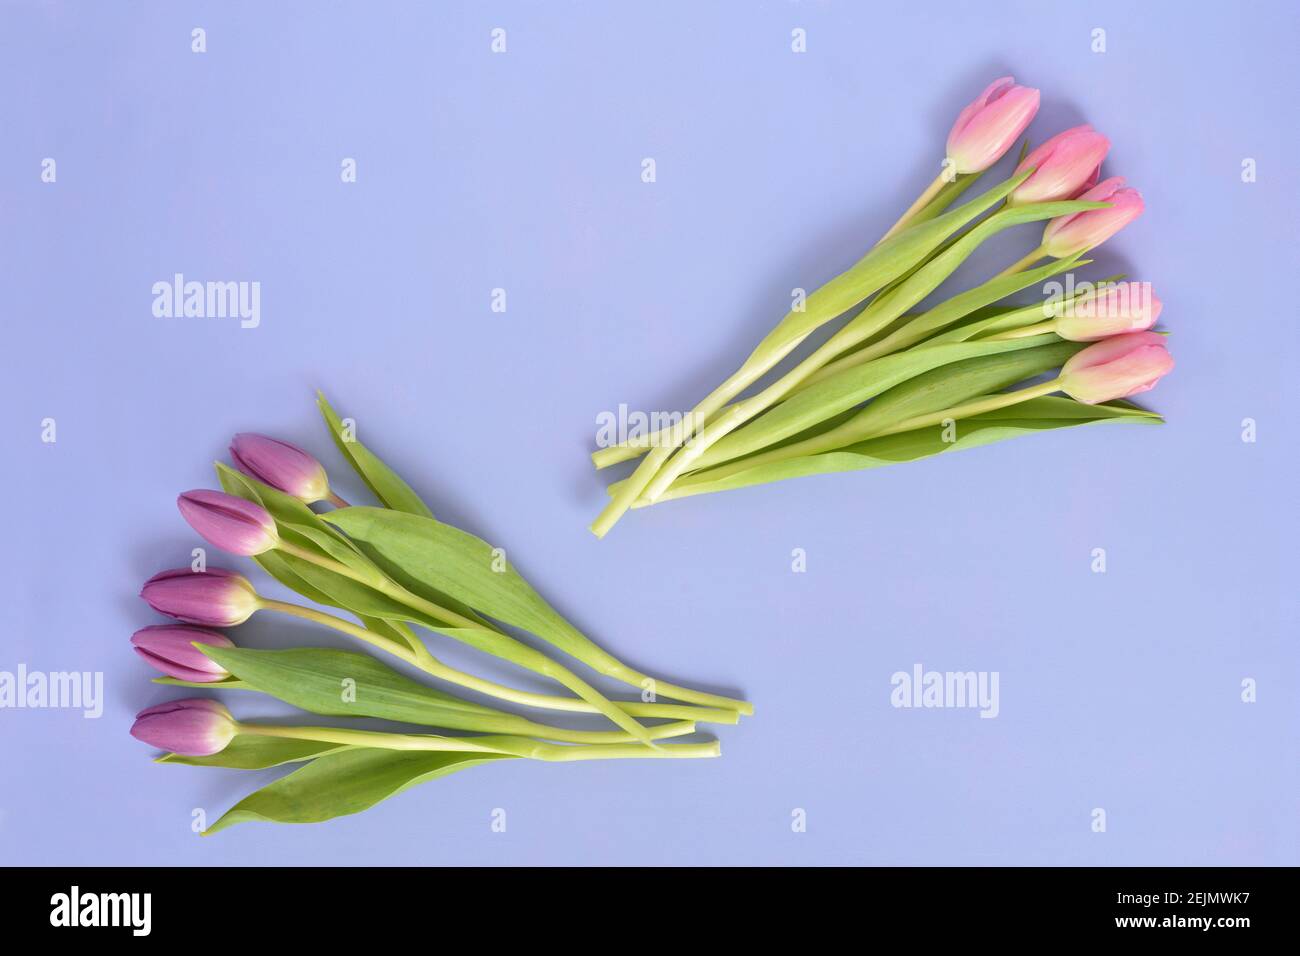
394 569
892 384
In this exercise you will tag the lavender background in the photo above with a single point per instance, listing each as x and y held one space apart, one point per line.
522 171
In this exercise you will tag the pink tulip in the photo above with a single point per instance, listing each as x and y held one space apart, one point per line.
170 648
1066 165
230 523
1116 309
212 598
280 465
194 727
1116 368
988 127
1066 235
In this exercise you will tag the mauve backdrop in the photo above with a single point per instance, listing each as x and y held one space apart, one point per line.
522 171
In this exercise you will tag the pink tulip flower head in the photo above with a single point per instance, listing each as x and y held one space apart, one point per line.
1113 310
1066 235
988 127
1116 368
1065 166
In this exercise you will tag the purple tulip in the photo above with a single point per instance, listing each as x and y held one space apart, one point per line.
211 598
170 648
280 465
195 727
230 523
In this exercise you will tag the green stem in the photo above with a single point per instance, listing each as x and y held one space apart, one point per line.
437 669
922 201
1024 331
650 464
494 744
1020 265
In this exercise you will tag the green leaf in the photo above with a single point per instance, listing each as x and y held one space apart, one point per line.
959 382
1035 415
386 484
343 783
847 388
458 563
343 592
315 679
250 752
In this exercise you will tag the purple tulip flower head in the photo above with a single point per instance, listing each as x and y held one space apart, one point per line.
195 727
230 523
170 648
212 598
280 465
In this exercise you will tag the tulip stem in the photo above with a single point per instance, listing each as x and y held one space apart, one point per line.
922 201
1025 331
336 500
386 644
491 744
1022 264
440 671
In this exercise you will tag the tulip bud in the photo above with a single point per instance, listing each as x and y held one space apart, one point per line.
230 523
988 127
1115 310
280 465
1067 235
194 727
170 648
211 598
1116 368
1066 165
